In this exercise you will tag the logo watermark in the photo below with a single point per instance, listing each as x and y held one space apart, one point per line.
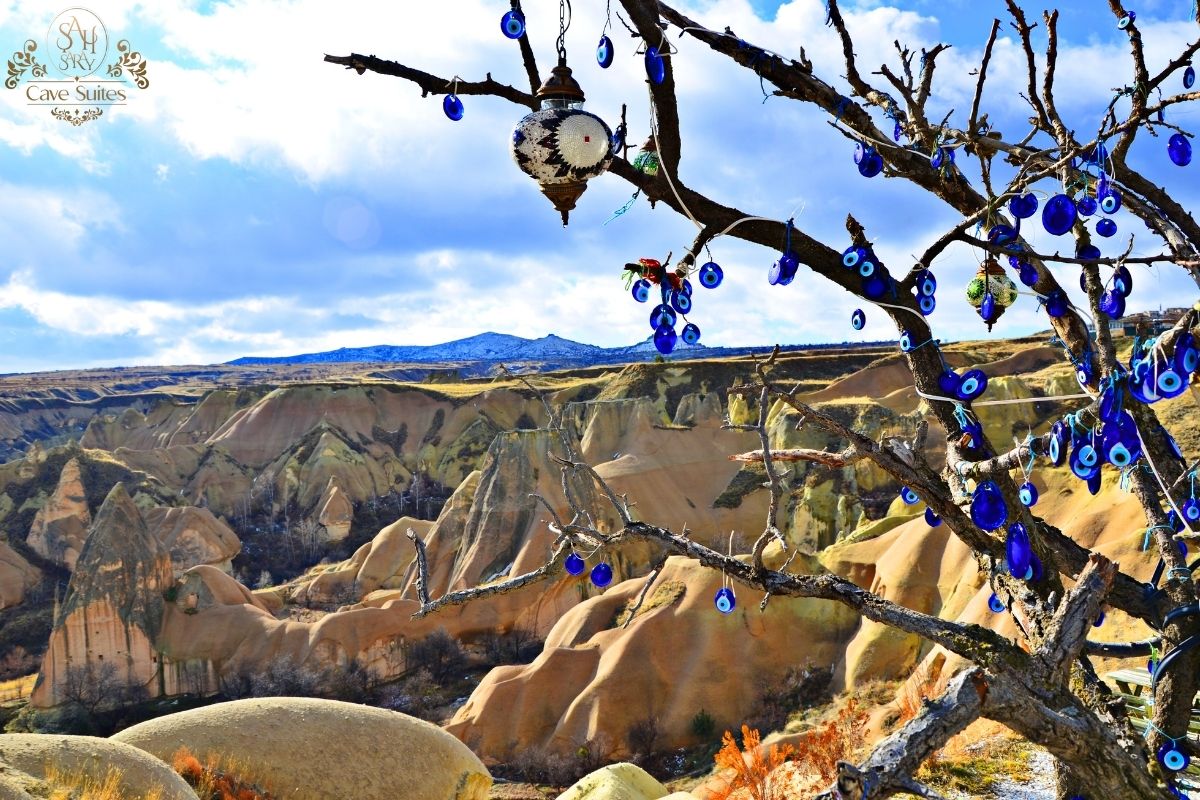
81 75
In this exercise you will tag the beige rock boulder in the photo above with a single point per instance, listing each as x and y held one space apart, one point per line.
616 782
16 576
61 525
193 536
44 759
378 564
308 749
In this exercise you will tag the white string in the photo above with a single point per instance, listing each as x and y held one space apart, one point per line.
1161 483
1011 402
662 165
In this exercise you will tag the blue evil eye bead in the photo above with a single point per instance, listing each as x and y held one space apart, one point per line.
1129 436
897 132
1186 357
852 255
1035 566
909 496
1002 234
926 304
1179 150
1127 20
1110 404
987 309
604 52
1151 665
987 506
685 286
1099 620
1086 453
783 270
618 141
574 564
663 316
1093 483
932 519
1057 449
1057 303
1106 228
641 291
602 574
1081 470
858 320
974 433
656 67
871 166
943 156
1017 550
1189 76
1088 252
681 302
711 275
452 107
906 342
1110 203
1058 215
1028 274
513 24
1191 510
973 384
1170 383
1122 281
691 333
926 283
862 151
948 382
665 339
1028 494
1175 521
1087 205
995 605
1172 758
1112 303
724 600
1097 155
1115 451
875 286
1023 206
866 268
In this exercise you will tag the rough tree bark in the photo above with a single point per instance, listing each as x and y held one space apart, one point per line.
1043 687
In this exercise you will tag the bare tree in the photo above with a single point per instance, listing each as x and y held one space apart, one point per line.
1043 686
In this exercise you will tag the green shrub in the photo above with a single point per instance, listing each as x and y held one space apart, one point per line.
703 725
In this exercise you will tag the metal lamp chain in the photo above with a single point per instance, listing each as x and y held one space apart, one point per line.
564 22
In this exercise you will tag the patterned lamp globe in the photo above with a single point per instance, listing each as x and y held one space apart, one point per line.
991 291
561 146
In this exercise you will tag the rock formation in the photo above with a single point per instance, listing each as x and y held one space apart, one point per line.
596 678
35 765
113 609
335 512
17 576
307 749
193 536
61 525
616 782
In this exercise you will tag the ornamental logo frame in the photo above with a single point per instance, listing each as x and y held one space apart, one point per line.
83 73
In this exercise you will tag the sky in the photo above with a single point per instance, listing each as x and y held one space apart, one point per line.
254 200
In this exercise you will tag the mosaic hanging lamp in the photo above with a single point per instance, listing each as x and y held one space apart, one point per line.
561 146
991 291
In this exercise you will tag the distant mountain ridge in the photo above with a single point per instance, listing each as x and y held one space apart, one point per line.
489 349
484 347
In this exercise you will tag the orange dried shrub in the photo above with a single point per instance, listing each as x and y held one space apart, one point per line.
839 739
751 771
216 779
913 694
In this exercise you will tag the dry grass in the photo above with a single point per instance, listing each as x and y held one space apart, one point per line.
17 688
750 773
978 760
78 785
217 778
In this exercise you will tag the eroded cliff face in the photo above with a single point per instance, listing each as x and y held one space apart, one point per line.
61 524
113 610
